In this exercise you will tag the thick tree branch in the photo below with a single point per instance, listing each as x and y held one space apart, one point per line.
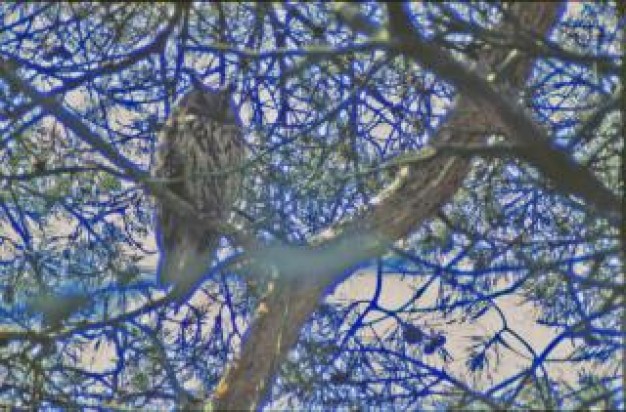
567 176
420 190
529 43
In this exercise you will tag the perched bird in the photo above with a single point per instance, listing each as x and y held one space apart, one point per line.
200 152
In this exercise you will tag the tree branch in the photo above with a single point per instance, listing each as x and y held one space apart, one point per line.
567 176
420 190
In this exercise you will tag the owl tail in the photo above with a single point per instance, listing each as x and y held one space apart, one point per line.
184 264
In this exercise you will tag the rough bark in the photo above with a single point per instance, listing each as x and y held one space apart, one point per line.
418 194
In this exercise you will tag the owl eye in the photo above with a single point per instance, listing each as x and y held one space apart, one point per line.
197 108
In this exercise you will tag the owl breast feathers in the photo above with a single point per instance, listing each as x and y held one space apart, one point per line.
200 152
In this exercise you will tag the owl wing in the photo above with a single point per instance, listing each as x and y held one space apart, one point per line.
235 157
169 164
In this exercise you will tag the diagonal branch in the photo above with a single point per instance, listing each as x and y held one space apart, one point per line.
567 176
420 190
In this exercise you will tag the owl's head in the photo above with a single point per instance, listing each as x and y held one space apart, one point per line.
215 104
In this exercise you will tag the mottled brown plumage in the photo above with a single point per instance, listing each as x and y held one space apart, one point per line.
201 150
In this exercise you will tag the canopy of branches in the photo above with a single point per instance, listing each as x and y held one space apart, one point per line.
445 166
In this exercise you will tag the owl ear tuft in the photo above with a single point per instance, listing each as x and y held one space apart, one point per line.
198 84
229 88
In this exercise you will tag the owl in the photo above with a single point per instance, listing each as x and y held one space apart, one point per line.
199 155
